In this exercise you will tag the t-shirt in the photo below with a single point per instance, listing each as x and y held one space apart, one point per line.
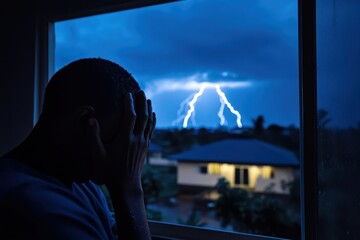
37 206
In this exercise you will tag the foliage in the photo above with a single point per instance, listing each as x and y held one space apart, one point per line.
175 140
323 118
194 219
248 212
154 214
258 125
151 184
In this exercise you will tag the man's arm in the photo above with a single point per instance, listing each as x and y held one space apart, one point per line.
130 212
126 191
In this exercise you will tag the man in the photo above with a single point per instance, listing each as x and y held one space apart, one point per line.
94 129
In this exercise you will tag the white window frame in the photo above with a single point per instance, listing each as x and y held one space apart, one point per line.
44 62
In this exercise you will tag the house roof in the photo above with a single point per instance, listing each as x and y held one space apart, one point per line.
153 147
244 151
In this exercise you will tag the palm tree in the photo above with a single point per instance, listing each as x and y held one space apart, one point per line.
323 118
258 125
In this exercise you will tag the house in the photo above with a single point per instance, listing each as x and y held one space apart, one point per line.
156 158
247 163
155 150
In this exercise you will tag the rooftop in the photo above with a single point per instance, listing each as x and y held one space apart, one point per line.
153 147
245 151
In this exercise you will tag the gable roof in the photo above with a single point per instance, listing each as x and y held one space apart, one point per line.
153 147
243 151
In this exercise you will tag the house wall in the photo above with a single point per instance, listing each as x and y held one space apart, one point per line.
189 175
280 175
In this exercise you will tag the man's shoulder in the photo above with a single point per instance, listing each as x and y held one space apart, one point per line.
20 183
51 205
18 179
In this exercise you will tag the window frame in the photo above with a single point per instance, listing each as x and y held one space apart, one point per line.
308 118
241 169
44 68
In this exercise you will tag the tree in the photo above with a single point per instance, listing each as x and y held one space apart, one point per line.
323 118
152 187
258 125
253 213
151 184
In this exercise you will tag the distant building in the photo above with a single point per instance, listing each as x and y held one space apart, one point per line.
247 163
155 156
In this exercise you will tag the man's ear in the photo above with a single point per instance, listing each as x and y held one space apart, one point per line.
84 114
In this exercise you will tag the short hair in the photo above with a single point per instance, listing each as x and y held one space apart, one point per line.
88 81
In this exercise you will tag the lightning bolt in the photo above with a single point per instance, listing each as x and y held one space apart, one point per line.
192 105
193 121
221 112
191 100
181 116
231 108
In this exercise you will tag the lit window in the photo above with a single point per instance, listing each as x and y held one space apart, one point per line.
267 172
214 168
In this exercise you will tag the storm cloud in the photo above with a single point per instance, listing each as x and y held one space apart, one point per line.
236 41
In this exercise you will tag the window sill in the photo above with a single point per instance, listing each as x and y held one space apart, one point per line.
161 230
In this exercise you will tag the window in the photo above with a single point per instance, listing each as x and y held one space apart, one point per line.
338 118
203 169
268 172
241 176
214 168
247 78
245 176
337 58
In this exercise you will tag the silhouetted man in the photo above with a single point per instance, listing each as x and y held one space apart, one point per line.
94 129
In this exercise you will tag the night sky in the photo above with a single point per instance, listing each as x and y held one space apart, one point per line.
249 47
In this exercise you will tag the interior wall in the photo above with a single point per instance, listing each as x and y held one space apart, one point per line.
17 71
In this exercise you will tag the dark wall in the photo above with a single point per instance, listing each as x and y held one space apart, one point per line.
17 71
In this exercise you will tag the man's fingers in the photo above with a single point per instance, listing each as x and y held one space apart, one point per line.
142 114
150 120
153 125
130 116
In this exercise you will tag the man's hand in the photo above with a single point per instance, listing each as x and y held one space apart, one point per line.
124 160
128 152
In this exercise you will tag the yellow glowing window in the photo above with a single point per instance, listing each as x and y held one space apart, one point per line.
214 168
267 172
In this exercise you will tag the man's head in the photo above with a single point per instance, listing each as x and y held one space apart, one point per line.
90 81
84 89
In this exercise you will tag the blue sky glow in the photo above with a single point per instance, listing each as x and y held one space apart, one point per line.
250 47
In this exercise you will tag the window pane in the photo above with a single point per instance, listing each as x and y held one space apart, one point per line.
237 176
245 176
214 168
223 79
203 169
338 61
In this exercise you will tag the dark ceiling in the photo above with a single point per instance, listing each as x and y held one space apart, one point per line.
57 10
